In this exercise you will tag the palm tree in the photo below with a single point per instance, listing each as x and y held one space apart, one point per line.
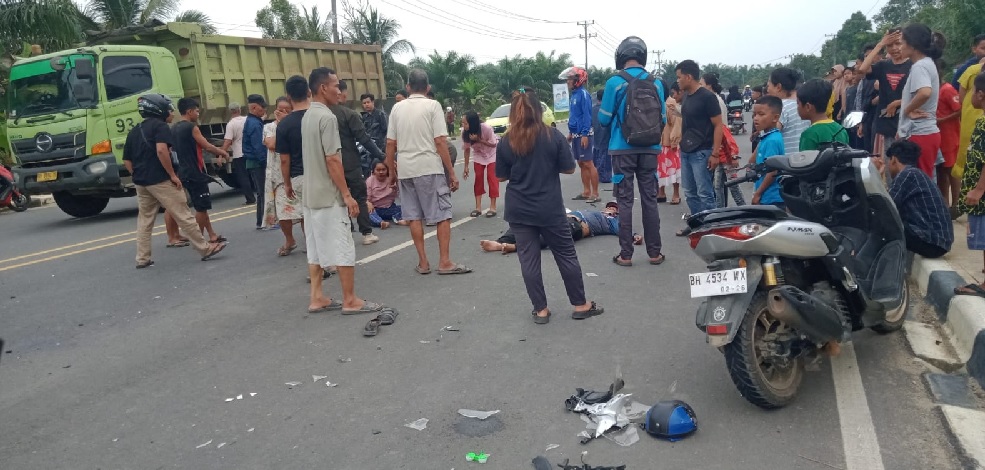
196 16
284 20
511 74
473 93
365 25
42 22
113 14
445 72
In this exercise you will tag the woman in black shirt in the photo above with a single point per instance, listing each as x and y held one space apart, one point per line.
532 157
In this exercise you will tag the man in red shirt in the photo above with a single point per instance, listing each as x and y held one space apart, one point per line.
948 114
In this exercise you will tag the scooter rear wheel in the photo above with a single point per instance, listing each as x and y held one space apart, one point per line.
762 380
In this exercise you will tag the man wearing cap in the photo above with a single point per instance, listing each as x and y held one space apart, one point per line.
254 152
233 143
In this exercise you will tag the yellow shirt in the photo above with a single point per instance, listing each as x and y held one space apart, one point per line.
831 104
969 114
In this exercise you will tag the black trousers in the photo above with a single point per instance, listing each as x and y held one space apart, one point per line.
922 248
243 180
357 187
558 238
258 177
508 238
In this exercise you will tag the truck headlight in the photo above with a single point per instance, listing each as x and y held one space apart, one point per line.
97 168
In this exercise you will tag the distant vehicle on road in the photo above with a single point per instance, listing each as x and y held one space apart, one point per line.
499 120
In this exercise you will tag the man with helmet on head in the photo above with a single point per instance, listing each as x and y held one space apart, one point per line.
580 131
147 155
638 161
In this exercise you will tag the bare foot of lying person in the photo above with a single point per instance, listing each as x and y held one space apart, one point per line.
490 246
384 225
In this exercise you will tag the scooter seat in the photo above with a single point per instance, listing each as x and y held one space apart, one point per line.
728 214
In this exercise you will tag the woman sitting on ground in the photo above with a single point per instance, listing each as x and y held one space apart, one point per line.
380 194
583 224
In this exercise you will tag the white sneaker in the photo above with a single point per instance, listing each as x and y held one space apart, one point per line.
369 239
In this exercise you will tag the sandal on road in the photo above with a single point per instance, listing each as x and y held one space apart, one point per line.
372 327
178 244
458 269
580 197
541 320
970 289
388 316
490 213
333 305
658 260
591 312
368 307
475 213
621 262
214 250
286 250
421 270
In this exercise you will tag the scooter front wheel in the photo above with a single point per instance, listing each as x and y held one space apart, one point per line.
20 202
765 379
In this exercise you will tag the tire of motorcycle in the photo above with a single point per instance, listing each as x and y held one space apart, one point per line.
80 206
20 202
894 319
757 385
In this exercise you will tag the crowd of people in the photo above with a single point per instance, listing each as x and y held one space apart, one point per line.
305 167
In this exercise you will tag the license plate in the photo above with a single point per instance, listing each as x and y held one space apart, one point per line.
729 281
47 176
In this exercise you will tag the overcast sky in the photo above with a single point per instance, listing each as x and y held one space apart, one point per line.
708 31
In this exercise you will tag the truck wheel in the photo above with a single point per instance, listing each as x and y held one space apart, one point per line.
80 206
765 381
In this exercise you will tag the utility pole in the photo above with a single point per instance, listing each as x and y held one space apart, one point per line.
834 37
658 62
586 37
335 22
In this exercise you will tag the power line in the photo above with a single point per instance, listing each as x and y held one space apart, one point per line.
479 30
611 36
510 14
604 41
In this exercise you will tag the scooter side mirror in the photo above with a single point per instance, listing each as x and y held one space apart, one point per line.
853 119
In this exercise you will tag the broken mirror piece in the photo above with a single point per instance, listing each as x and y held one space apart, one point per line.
419 424
476 413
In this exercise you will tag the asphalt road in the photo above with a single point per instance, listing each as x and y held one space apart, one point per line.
109 367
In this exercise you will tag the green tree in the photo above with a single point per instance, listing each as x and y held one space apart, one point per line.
284 20
445 72
473 94
196 16
113 14
848 42
53 24
809 65
363 24
544 70
900 12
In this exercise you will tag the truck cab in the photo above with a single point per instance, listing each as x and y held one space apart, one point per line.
69 116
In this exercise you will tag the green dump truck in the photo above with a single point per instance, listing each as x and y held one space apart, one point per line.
70 111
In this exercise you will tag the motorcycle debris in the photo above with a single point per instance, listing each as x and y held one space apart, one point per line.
450 328
344 360
418 424
477 414
239 397
316 378
230 399
220 445
551 447
204 444
250 430
330 384
253 394
591 275
292 384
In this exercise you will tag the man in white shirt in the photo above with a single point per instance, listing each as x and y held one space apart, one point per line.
233 143
417 132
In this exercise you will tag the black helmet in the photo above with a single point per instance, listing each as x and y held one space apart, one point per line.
630 48
154 105
575 226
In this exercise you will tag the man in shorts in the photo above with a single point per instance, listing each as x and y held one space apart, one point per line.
188 144
417 132
288 145
328 204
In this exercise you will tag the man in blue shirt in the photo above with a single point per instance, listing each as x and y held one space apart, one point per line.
629 162
254 152
580 132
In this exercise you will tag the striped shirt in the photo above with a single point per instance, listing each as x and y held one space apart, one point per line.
793 126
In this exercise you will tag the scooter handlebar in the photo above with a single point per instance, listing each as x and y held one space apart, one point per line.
752 174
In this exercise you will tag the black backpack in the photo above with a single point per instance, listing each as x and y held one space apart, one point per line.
642 123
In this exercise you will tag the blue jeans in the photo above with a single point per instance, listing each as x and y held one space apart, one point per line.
389 214
697 181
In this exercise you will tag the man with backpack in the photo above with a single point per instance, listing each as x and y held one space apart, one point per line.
634 110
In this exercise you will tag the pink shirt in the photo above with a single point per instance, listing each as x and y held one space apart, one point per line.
379 193
483 154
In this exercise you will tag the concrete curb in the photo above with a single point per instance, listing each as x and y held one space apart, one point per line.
962 317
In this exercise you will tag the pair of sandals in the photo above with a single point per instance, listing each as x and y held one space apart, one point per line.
589 199
594 310
387 316
972 289
628 262
489 213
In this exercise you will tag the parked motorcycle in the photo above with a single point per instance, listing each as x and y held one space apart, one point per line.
10 196
783 289
736 121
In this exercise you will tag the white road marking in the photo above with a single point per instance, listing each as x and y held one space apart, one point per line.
858 434
407 243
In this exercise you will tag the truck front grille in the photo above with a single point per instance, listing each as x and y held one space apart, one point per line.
64 148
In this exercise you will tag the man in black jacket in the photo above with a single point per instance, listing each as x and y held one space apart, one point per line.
374 120
351 131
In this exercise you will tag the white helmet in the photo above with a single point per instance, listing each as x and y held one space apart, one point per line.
448 108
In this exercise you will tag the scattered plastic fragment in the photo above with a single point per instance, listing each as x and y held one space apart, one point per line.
229 400
250 430
292 384
673 387
114 440
157 297
203 445
315 378
252 394
451 328
220 445
481 457
239 397
343 360
330 384
419 424
424 342
476 413
591 275
625 437
551 447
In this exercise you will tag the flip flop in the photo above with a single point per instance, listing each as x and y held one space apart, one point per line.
675 201
145 264
179 244
658 260
541 320
490 213
621 262
368 307
975 289
372 327
662 199
219 239
475 213
595 310
421 270
458 269
388 317
284 251
334 305
580 197
216 249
